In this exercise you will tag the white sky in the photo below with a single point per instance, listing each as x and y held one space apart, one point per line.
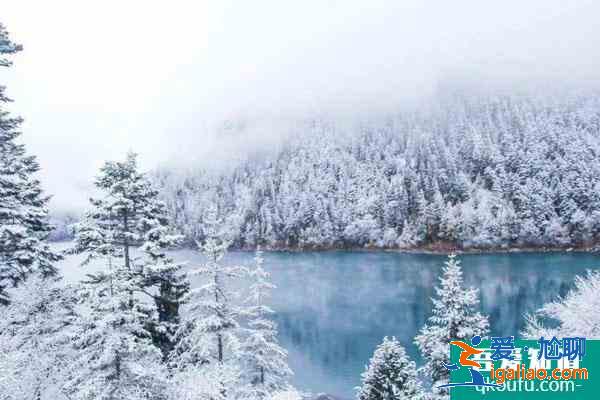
98 78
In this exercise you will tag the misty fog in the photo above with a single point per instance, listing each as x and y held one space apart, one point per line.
196 83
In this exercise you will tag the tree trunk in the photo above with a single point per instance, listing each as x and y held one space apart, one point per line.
126 242
167 306
219 337
220 346
126 252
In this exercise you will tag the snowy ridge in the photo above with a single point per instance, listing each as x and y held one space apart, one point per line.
477 171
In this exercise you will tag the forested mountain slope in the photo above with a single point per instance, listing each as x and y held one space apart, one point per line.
470 172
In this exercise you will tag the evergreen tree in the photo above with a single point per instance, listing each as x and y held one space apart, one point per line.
210 333
264 359
115 356
576 314
391 375
35 339
208 337
131 217
24 225
455 317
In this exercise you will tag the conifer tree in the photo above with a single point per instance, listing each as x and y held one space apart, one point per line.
264 359
115 355
208 339
455 317
210 334
563 316
129 227
391 375
35 338
24 225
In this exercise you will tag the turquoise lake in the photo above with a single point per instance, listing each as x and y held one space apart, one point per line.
334 307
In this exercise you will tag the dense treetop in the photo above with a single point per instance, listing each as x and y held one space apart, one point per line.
469 171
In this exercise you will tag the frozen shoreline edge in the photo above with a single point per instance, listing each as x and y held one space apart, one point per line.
429 249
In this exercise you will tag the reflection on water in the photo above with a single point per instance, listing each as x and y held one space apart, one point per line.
333 308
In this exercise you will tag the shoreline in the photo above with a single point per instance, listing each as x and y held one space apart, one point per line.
439 248
516 250
433 249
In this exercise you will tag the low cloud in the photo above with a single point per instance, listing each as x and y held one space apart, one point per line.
196 82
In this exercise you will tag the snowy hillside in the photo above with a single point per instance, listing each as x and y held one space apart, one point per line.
472 171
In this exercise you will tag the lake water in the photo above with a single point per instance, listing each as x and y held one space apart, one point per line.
333 308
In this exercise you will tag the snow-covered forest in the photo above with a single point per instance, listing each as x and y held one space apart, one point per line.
462 168
136 328
470 171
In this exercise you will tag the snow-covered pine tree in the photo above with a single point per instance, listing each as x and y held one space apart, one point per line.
565 314
115 355
131 217
209 333
265 361
455 317
391 375
35 334
208 340
24 224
